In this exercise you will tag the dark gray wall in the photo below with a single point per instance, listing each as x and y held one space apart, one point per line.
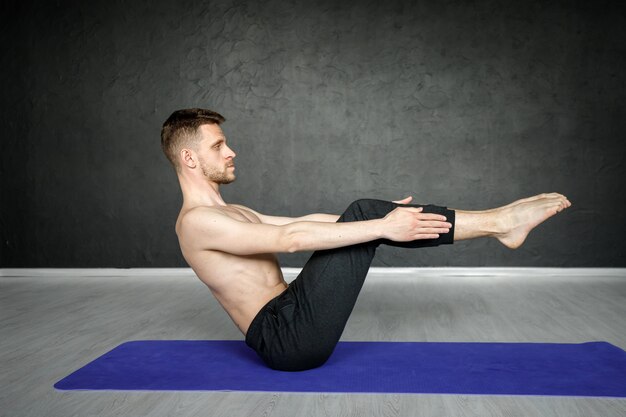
465 104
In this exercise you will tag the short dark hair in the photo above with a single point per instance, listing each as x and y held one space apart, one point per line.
181 128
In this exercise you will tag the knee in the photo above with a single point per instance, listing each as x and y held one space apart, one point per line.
361 202
363 209
361 205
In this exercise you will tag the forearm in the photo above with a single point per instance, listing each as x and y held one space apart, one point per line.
319 217
309 235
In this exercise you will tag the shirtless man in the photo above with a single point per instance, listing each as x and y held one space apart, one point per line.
231 248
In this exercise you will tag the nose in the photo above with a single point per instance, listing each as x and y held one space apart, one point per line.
230 153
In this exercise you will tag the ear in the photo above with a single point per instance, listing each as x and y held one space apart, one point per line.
188 157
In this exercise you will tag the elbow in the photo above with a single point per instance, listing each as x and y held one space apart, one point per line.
294 245
292 239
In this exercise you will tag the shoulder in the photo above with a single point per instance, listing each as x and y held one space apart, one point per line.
199 225
201 217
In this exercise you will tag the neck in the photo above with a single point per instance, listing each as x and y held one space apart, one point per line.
199 192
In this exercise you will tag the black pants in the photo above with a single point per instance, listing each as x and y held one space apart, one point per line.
299 329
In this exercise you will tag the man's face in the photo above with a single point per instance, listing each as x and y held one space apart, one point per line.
214 156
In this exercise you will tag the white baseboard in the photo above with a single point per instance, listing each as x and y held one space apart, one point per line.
292 272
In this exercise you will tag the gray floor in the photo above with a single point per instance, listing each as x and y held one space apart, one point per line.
52 325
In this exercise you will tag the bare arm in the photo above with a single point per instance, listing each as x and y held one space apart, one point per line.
401 224
207 229
319 217
282 220
316 217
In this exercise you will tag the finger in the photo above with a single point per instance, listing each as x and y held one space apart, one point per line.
432 216
434 230
445 225
426 236
405 200
413 209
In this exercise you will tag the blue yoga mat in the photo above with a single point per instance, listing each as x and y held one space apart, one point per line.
587 369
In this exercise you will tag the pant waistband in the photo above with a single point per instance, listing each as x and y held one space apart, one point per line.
254 330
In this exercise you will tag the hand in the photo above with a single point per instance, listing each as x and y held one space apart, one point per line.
405 200
405 224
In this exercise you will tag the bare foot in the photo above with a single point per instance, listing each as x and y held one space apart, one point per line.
521 216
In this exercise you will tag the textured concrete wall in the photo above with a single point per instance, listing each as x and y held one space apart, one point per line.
465 104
